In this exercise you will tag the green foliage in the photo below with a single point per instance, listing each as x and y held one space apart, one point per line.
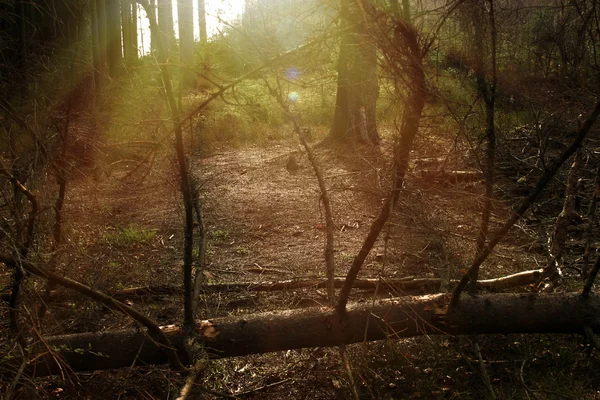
219 235
258 116
128 236
242 250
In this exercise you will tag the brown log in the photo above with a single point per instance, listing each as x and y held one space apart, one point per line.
397 285
403 285
319 327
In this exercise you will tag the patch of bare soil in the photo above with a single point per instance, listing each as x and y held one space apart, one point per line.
267 224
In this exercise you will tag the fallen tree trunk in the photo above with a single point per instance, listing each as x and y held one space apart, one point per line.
396 285
319 327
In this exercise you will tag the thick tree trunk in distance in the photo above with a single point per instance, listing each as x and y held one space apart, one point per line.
202 21
126 28
113 32
134 33
165 22
319 327
185 11
96 58
102 38
129 22
153 39
357 88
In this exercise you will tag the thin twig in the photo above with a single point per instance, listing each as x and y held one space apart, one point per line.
484 374
109 302
548 175
270 385
348 368
523 379
329 226
587 288
19 373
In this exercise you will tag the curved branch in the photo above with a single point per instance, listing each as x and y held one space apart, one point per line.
527 202
109 302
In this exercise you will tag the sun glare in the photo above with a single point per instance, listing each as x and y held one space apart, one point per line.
218 14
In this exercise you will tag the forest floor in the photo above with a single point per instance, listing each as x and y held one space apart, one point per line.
266 224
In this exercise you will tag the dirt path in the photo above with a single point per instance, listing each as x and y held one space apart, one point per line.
262 216
264 224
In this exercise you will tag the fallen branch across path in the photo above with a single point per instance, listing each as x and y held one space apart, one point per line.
398 286
319 327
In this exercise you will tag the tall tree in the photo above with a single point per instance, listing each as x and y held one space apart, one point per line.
357 88
165 22
113 33
134 28
129 22
126 28
96 58
480 14
153 38
102 38
185 13
202 21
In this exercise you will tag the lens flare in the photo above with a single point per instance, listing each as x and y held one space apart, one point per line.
292 73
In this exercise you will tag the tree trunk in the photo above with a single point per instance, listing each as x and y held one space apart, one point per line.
113 32
102 38
134 32
202 21
185 11
96 58
357 87
320 327
165 22
126 28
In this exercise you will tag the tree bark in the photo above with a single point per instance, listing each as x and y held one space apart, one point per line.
102 38
133 35
202 21
185 11
113 32
96 58
405 41
126 28
357 87
322 326
165 22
